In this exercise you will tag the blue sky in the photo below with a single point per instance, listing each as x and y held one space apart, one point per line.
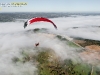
53 6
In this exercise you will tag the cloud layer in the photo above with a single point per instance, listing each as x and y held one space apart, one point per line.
13 38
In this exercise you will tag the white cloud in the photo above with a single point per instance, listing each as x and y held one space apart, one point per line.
13 37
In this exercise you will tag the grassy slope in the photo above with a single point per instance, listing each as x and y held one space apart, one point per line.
49 64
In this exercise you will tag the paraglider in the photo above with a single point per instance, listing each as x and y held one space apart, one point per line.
37 44
38 19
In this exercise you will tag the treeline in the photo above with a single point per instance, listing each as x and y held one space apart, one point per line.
7 17
89 42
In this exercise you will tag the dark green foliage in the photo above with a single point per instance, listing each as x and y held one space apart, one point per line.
36 30
15 59
67 67
42 57
56 66
61 38
69 43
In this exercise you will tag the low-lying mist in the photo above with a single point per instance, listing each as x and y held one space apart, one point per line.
14 39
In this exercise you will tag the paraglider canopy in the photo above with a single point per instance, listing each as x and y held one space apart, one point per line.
38 19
